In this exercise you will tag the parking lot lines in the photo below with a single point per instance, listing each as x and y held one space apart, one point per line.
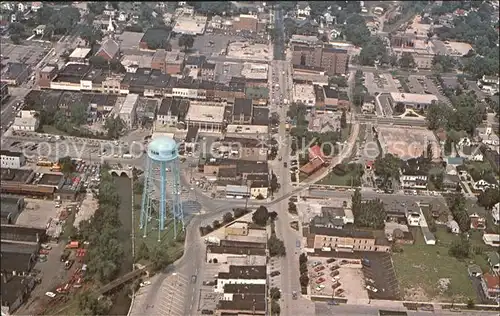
168 301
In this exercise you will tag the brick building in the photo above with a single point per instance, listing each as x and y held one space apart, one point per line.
333 60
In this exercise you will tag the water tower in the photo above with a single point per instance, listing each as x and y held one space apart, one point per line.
161 197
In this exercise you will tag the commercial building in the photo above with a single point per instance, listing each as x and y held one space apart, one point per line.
241 275
80 54
245 22
14 74
127 111
168 62
207 118
242 111
27 121
243 304
46 75
172 111
134 62
218 254
192 25
413 100
304 93
12 159
333 60
316 237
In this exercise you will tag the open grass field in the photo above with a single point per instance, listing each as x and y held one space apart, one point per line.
419 268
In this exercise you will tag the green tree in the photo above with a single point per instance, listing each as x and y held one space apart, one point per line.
343 119
67 166
274 185
292 208
460 248
186 41
90 35
260 216
370 214
114 127
89 304
437 116
275 308
406 61
304 280
143 252
275 293
488 198
457 205
79 114
228 217
443 63
374 52
16 28
276 246
355 200
160 258
339 81
302 258
387 167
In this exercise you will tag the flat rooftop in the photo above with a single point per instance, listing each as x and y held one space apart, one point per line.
141 61
52 179
247 129
255 71
130 40
205 113
303 92
244 272
190 25
413 98
15 175
80 53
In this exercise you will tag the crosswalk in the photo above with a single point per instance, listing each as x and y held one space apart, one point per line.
168 300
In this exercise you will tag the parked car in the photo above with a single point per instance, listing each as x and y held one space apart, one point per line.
275 273
207 312
50 294
371 288
320 280
330 260
317 269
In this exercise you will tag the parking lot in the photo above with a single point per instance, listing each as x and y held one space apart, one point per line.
37 213
210 44
381 271
170 298
27 54
337 277
380 83
415 85
434 89
208 299
383 101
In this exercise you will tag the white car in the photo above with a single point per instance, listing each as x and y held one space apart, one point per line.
50 294
371 288
145 283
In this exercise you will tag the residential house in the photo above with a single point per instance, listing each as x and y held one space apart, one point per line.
492 240
109 49
414 174
495 213
491 286
302 10
477 222
494 261
474 271
451 182
413 218
453 227
333 217
482 185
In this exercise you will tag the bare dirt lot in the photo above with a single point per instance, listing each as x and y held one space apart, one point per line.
407 142
37 213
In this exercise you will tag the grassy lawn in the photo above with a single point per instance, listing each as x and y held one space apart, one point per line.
333 179
419 267
49 129
175 249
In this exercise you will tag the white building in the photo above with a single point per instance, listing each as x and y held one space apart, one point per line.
453 227
492 239
304 93
414 100
26 121
241 275
495 213
218 254
413 218
207 118
127 110
303 10
12 159
413 181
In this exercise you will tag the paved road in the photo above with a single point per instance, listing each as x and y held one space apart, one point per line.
323 309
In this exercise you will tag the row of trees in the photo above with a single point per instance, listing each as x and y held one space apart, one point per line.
457 205
304 275
466 116
369 214
360 90
387 168
105 256
226 218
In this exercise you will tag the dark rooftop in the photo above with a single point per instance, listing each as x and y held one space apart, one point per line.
9 153
260 116
19 248
331 93
242 106
236 251
208 65
244 272
192 134
196 60
242 244
19 262
177 107
22 233
75 70
51 179
244 302
155 34
254 167
245 288
11 287
14 70
15 175
326 231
